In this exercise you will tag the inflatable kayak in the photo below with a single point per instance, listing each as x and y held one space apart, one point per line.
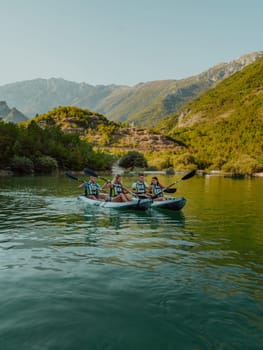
134 204
172 203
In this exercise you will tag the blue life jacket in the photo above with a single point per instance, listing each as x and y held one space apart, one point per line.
91 188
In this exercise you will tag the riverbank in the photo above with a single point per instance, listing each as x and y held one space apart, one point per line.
4 173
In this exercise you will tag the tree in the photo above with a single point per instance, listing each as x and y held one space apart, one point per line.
133 159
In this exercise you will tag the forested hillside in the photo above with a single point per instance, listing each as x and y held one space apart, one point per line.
223 128
30 148
102 133
73 138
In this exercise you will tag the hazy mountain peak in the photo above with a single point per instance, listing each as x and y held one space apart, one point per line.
11 115
4 109
143 104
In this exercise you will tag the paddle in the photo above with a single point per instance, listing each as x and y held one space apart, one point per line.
170 190
185 177
92 173
72 177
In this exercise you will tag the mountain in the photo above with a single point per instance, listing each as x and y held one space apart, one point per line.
231 97
11 115
38 96
144 104
223 127
4 109
147 103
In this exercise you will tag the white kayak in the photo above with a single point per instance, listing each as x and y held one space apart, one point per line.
173 203
134 204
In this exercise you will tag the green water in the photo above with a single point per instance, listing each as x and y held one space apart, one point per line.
74 277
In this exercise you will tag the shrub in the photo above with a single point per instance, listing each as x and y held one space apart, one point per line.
133 159
160 160
22 165
45 165
170 171
244 165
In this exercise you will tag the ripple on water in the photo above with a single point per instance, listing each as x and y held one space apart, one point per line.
78 277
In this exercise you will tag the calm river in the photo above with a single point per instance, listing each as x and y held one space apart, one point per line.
77 278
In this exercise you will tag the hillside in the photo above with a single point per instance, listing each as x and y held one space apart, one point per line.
147 103
223 128
144 104
101 133
11 115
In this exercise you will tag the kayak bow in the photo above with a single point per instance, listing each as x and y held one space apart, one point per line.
171 203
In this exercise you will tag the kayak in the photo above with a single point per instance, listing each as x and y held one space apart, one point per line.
172 203
134 204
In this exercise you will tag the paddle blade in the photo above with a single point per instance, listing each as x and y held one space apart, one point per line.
72 177
189 175
90 172
170 190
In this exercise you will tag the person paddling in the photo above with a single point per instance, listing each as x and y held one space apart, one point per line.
92 189
140 187
118 193
156 189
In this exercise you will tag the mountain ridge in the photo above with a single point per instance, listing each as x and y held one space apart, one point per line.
144 104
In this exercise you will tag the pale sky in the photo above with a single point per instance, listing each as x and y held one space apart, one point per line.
124 42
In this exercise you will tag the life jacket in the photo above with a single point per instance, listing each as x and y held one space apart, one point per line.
92 188
157 190
140 187
117 189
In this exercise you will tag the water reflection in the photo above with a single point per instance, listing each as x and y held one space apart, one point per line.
137 239
118 219
175 280
106 236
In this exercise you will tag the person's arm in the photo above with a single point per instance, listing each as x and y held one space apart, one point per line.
134 189
126 190
107 184
82 184
149 189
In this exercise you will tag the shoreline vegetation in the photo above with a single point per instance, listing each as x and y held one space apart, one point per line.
219 133
31 149
6 173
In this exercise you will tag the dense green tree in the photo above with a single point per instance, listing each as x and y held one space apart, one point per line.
45 165
29 148
133 159
22 165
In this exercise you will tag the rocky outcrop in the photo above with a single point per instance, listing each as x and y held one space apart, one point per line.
142 140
